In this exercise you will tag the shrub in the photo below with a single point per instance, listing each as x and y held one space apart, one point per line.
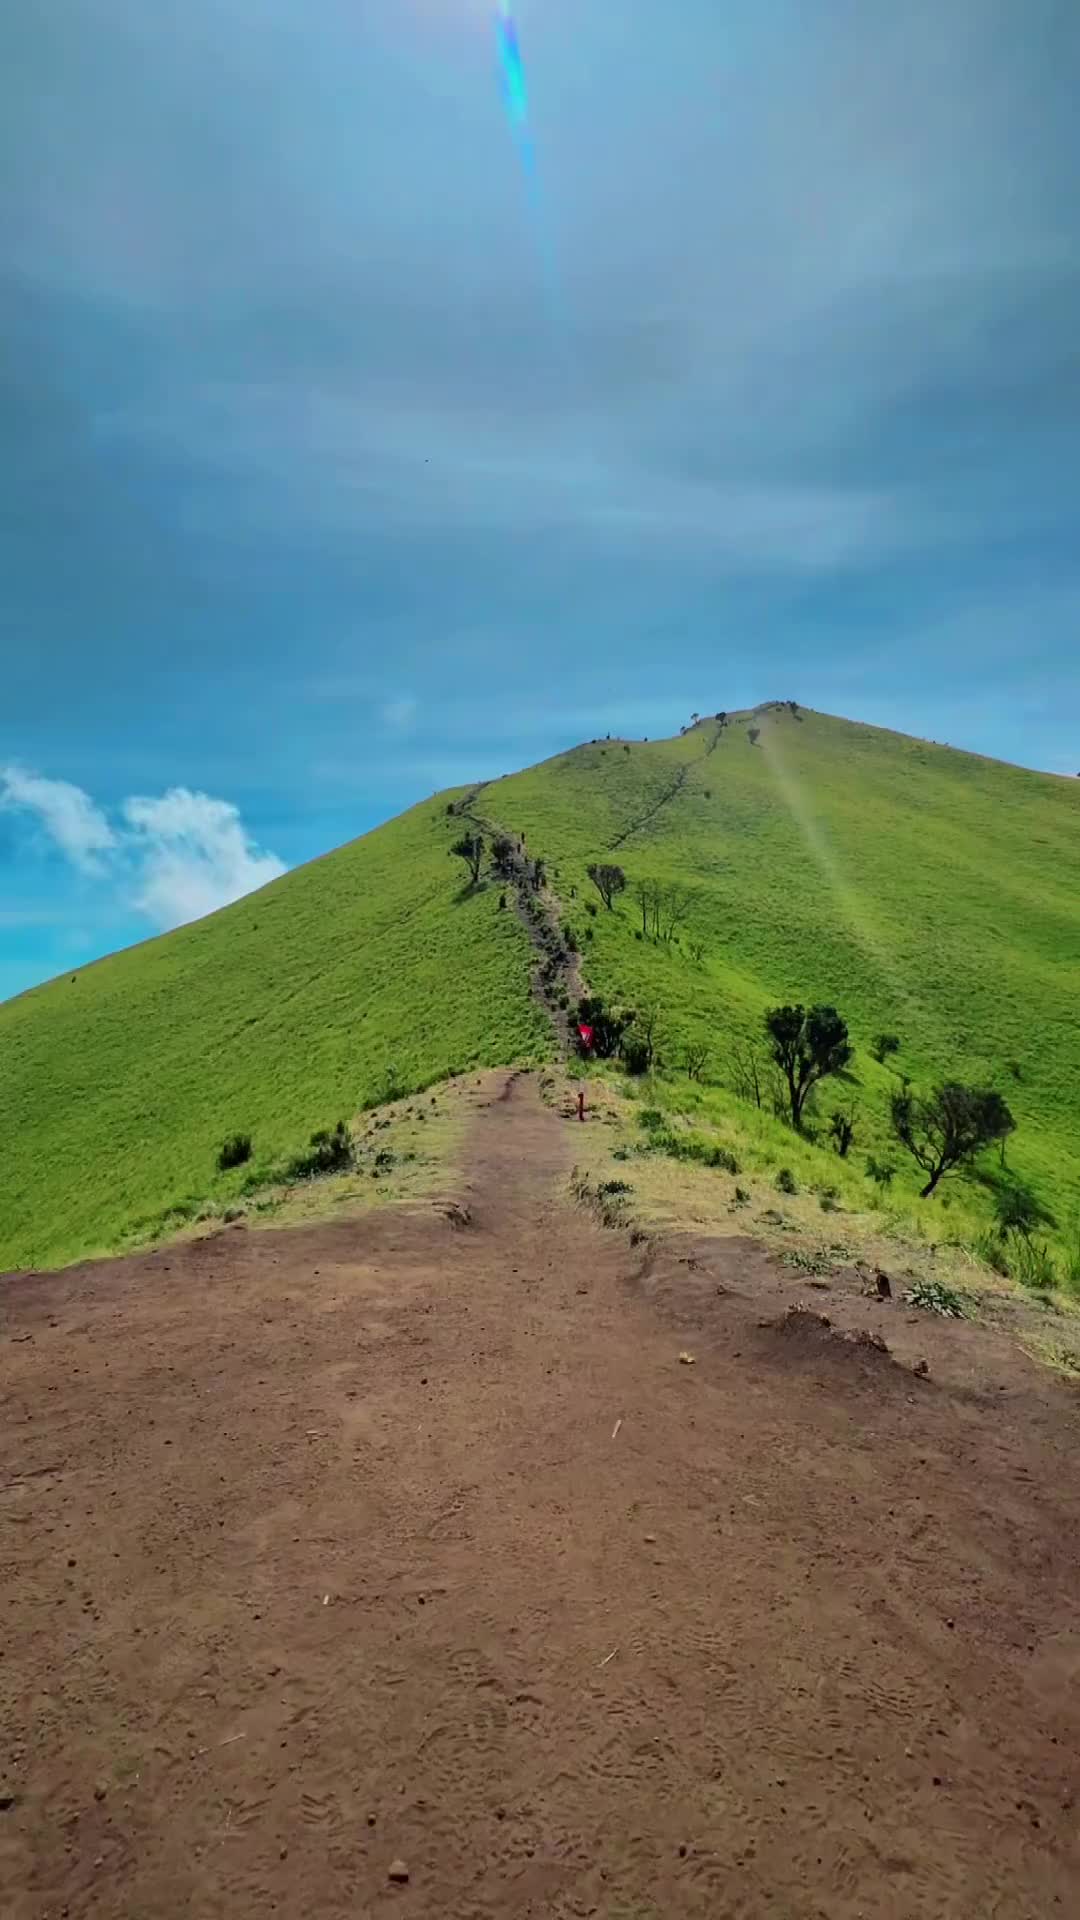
651 1119
615 1186
234 1151
933 1296
880 1171
742 1198
829 1200
328 1152
786 1181
885 1044
636 1056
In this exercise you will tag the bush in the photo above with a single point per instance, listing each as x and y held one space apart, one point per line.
328 1152
234 1151
1033 1264
742 1198
786 1181
829 1199
636 1057
651 1119
933 1296
879 1171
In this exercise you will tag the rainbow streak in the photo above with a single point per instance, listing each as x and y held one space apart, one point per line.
515 93
513 68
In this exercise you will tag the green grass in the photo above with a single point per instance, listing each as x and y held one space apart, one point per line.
921 890
274 1017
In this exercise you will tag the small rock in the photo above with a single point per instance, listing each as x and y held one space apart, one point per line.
100 1790
398 1873
686 1360
922 1368
650 1539
7 1801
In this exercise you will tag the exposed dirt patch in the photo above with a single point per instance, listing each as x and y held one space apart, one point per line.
399 1565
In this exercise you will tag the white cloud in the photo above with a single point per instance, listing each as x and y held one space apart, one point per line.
68 815
175 858
193 854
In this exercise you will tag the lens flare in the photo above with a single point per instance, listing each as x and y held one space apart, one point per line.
513 70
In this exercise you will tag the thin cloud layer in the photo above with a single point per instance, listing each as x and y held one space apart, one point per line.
173 858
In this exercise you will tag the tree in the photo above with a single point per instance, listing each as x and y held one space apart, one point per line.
639 1043
753 734
608 881
470 848
884 1045
947 1128
746 1074
842 1130
674 904
695 1059
807 1047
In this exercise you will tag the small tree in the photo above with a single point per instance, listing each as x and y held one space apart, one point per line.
842 1130
470 848
607 880
503 855
884 1045
753 734
947 1128
807 1047
746 1073
695 1059
639 1042
674 902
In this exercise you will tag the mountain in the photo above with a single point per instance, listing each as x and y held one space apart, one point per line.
923 891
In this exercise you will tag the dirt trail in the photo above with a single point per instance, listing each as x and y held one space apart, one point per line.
320 1551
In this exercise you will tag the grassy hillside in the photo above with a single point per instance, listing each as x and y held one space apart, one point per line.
275 1016
921 890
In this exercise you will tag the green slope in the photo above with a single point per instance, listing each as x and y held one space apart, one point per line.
274 1016
921 890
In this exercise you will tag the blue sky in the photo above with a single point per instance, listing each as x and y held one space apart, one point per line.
343 461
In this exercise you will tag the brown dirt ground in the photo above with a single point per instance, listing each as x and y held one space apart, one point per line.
319 1551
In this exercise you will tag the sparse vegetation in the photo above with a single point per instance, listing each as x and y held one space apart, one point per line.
948 1128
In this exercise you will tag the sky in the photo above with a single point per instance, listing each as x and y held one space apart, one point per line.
356 445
